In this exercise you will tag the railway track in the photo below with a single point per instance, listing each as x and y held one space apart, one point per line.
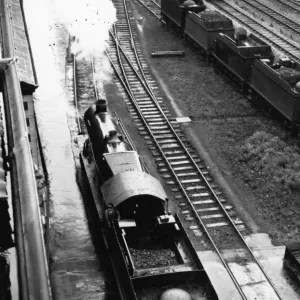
277 40
152 6
203 209
275 16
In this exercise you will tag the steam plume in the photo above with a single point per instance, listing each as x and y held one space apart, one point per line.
88 21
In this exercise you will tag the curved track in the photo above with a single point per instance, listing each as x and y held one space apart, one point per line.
204 212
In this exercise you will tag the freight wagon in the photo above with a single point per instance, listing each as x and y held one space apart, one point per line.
279 85
175 10
238 56
245 58
202 29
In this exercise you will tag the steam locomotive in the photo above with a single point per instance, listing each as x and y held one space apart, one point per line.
245 58
148 247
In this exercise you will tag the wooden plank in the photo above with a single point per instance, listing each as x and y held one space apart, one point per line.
167 53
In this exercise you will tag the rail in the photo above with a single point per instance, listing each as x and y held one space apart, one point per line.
32 262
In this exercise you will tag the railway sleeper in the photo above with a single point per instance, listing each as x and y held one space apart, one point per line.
200 165
191 174
166 140
176 157
218 213
187 209
218 224
154 147
183 159
207 201
172 146
212 217
192 188
172 182
203 194
178 151
167 134
167 131
164 164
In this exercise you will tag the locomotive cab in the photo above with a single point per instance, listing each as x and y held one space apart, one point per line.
135 194
139 199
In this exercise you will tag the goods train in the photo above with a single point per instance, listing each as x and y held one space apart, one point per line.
245 58
150 252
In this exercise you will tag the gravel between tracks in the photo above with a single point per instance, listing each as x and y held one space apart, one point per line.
224 120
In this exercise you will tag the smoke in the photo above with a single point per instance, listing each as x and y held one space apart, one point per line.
88 22
103 73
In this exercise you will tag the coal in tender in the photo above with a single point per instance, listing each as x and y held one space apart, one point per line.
211 16
151 258
286 72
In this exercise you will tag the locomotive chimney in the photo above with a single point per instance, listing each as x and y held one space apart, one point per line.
101 105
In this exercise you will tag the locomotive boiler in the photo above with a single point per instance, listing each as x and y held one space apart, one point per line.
148 248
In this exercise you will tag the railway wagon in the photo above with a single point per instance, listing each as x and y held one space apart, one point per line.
279 85
237 57
203 28
151 254
175 10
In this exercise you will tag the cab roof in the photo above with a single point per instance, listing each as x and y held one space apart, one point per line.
128 184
